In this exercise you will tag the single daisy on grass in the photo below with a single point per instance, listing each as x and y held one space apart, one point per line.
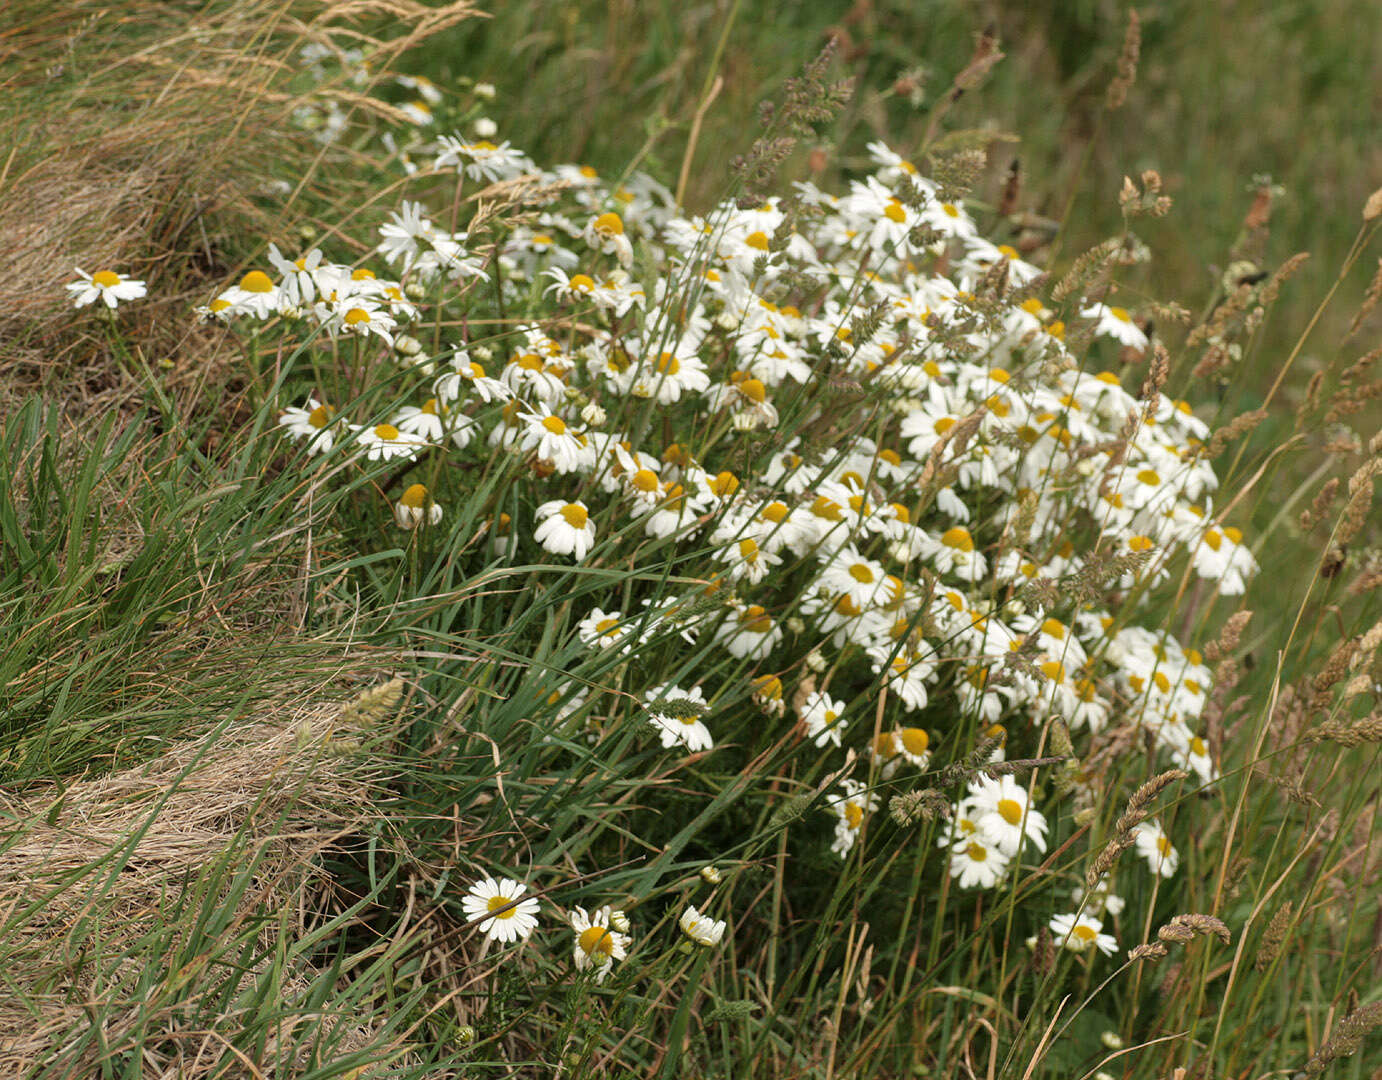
976 864
701 929
1115 322
1000 809
311 423
384 442
602 629
598 943
104 285
416 507
823 717
1079 932
676 714
605 233
565 528
552 439
500 910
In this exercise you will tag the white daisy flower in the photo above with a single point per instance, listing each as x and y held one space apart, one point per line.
749 633
416 507
603 628
552 439
1222 556
977 864
1078 932
598 944
701 929
605 233
311 423
256 295
402 235
1000 808
384 442
851 810
822 716
676 714
104 285
466 373
500 910
1115 322
424 420
565 528
1155 846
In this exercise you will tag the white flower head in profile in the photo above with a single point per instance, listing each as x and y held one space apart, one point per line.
104 285
701 929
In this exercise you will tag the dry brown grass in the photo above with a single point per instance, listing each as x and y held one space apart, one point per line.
141 138
89 872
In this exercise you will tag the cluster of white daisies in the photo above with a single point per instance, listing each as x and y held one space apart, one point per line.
858 408
503 911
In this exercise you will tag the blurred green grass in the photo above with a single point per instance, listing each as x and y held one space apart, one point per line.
1226 93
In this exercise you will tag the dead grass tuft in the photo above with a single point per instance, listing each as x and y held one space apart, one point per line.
144 139
92 874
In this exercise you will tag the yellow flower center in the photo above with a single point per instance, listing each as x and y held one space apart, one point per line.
610 224
754 390
605 627
319 416
723 484
496 902
757 239
748 549
977 852
386 431
667 364
861 573
596 939
644 480
895 211
575 515
1011 810
415 497
914 740
827 508
950 210
257 281
581 283
1083 932
1121 314
854 815
555 424
958 538
355 316
755 620
107 278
